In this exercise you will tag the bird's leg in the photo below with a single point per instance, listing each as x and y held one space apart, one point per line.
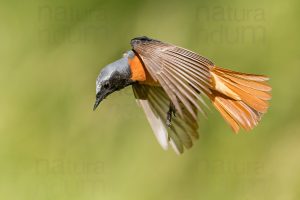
171 111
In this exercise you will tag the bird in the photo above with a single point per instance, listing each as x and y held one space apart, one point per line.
173 85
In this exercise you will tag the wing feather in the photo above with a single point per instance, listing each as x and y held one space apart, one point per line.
190 74
183 74
183 129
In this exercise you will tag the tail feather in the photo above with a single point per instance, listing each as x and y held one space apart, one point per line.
240 98
257 85
252 77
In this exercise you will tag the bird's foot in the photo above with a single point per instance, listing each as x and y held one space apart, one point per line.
171 112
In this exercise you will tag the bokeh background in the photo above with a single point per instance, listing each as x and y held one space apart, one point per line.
52 146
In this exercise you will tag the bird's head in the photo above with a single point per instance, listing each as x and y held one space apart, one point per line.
113 77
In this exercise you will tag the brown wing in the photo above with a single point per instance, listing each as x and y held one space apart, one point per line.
155 103
184 75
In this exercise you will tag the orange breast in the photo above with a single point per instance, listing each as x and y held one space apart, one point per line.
139 72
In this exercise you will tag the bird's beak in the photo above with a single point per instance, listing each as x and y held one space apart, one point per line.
102 94
99 98
97 102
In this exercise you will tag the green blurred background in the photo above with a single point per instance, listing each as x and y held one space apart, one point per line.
52 146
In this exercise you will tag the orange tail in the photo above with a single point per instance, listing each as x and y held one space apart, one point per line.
240 98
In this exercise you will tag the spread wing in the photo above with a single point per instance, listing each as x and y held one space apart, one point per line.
155 103
184 75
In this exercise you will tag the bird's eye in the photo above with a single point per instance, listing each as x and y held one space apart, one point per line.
106 85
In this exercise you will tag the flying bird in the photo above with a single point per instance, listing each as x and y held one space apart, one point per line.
169 83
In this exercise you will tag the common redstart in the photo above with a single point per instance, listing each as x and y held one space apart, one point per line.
169 83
